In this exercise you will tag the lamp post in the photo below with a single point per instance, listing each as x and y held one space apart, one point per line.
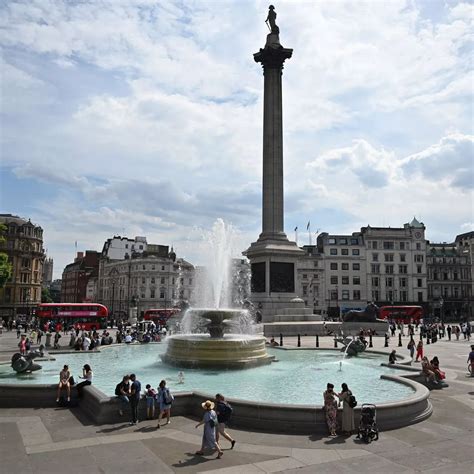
441 303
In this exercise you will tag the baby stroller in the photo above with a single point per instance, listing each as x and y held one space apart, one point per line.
368 423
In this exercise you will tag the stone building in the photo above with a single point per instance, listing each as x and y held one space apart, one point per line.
118 248
24 247
396 264
47 272
76 277
310 281
148 280
450 280
344 270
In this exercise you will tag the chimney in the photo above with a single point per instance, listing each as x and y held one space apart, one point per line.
80 255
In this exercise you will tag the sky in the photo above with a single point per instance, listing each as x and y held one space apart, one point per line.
140 117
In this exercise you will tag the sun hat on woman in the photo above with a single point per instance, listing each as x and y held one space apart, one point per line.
208 405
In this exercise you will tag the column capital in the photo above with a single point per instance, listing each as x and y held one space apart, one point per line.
271 57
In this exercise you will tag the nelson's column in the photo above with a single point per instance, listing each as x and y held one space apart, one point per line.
273 256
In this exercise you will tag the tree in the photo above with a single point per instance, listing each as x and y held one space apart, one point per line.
5 265
46 296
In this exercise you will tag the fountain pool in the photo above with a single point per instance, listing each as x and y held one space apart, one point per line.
298 378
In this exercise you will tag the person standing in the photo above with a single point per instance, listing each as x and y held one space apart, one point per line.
135 392
419 351
448 330
122 390
22 345
150 395
411 347
165 399
224 412
87 375
347 410
209 420
330 407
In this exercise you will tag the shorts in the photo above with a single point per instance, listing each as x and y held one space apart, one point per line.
221 427
150 402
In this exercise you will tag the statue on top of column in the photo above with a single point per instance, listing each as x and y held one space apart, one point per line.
270 21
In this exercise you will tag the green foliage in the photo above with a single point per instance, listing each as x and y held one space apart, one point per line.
46 296
5 265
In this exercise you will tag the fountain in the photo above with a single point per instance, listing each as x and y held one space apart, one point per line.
218 347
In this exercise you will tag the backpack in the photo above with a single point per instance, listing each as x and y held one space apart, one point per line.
352 401
225 411
117 389
167 397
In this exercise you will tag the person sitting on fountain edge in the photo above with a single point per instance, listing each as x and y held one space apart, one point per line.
392 358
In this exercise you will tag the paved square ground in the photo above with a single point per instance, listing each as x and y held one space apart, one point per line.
61 440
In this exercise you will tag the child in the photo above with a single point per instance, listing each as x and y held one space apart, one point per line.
150 395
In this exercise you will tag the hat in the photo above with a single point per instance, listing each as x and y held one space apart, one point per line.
208 405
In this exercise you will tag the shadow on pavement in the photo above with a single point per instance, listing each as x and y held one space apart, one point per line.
194 460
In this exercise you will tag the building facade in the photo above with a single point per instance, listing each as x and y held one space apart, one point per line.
47 272
148 280
24 247
76 277
118 248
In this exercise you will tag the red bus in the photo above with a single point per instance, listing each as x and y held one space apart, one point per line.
160 316
401 314
88 316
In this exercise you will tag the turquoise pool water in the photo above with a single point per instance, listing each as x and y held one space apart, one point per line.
299 377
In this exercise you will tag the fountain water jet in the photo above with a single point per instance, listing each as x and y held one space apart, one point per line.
219 348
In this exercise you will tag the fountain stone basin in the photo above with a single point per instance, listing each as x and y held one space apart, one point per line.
217 349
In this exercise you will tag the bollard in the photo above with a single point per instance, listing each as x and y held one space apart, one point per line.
317 340
400 340
386 341
370 341
281 339
335 342
299 340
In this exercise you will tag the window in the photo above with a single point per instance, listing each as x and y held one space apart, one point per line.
387 245
403 257
334 280
403 282
190 281
181 280
331 241
402 245
375 268
374 244
305 276
419 269
142 296
126 246
144 267
355 252
345 294
305 290
344 251
344 266
456 292
153 267
390 295
343 241
419 257
332 251
356 280
375 257
356 266
354 241
143 281
315 276
389 282
162 294
333 266
152 293
388 257
162 268
445 276
420 297
455 276
356 295
315 264
402 268
162 280
389 269
333 295
375 295
418 246
419 282
153 280
345 280
403 296
375 281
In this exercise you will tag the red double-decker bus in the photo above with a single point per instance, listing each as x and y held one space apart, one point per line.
401 314
88 316
160 316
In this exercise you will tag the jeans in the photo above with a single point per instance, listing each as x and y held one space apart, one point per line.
124 401
80 388
134 407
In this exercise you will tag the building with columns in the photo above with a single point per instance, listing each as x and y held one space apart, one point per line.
24 247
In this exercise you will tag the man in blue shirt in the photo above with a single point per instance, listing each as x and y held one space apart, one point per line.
135 392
